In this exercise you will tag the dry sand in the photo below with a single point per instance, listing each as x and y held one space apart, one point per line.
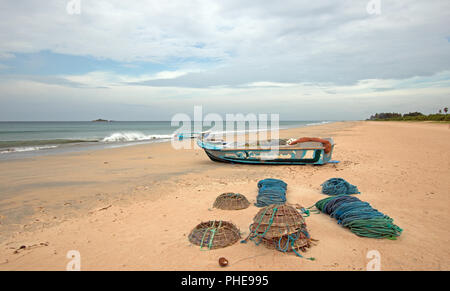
132 208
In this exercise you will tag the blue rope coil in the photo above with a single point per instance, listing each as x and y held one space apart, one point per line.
271 191
359 217
338 186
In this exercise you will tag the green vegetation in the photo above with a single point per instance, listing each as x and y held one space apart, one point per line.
412 116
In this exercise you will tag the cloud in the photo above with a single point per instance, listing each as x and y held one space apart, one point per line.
102 94
324 58
299 41
106 79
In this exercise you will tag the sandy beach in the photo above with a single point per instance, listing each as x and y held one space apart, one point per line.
132 208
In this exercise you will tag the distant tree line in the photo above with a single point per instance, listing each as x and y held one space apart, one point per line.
412 116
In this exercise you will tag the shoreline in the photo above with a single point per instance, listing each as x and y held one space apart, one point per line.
22 213
36 148
132 208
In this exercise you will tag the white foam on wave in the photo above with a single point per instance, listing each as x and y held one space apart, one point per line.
318 123
134 136
27 149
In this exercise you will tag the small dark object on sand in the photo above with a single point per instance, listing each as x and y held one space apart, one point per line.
223 262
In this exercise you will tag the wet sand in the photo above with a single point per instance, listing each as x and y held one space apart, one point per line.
132 208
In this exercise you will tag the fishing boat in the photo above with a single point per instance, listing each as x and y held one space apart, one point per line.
301 151
186 135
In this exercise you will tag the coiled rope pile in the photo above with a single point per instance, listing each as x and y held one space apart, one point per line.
338 186
271 191
359 217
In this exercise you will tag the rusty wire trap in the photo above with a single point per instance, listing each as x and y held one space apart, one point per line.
214 234
231 201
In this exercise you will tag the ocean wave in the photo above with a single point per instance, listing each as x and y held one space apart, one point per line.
134 136
44 142
317 123
26 149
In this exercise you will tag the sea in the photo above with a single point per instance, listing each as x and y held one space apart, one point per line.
29 139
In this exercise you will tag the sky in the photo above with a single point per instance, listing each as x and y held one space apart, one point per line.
148 60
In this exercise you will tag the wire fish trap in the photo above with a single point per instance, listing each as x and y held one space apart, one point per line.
214 234
231 201
280 227
277 220
299 240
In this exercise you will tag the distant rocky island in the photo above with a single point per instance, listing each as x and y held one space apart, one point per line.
101 120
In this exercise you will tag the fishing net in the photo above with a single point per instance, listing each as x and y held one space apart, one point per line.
326 143
214 234
231 201
338 186
280 227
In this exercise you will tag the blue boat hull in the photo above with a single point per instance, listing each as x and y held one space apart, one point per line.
317 157
282 156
